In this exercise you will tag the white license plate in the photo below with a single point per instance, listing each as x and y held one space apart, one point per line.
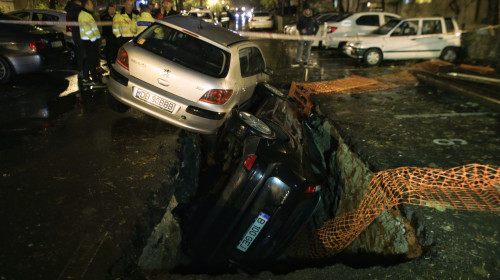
56 44
252 232
155 99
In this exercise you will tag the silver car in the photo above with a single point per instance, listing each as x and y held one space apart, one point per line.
187 72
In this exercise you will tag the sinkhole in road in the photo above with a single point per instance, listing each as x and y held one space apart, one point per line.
396 236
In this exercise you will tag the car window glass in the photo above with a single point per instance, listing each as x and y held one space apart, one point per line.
431 27
449 25
44 17
371 20
13 28
251 62
23 15
387 27
406 28
261 14
185 50
201 15
388 18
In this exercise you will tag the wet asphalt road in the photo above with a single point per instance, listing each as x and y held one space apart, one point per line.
82 185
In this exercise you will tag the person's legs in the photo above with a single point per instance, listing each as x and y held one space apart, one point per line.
299 51
80 56
86 61
308 45
92 58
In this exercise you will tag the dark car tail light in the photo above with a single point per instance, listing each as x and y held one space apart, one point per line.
39 44
122 58
331 29
68 28
217 96
313 189
248 163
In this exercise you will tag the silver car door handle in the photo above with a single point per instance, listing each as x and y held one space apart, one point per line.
163 82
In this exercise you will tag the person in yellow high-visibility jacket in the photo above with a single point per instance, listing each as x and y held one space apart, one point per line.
122 23
90 35
143 21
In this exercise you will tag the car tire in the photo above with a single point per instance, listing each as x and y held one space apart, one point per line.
449 54
255 126
340 47
372 57
5 71
116 105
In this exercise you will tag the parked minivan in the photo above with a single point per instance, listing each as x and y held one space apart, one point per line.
412 38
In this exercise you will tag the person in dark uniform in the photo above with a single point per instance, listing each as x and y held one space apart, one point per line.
107 33
73 9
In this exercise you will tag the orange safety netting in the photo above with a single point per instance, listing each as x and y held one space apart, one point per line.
471 187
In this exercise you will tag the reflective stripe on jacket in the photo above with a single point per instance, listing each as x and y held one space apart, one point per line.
89 30
122 24
142 22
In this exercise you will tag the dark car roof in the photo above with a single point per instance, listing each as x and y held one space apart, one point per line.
208 30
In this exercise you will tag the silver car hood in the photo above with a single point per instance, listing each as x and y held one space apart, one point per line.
168 75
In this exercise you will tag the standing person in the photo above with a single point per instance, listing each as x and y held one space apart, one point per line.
73 9
107 33
166 10
89 33
122 23
307 25
143 21
224 18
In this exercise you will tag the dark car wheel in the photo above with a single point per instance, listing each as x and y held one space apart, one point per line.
256 125
116 105
5 71
449 54
373 57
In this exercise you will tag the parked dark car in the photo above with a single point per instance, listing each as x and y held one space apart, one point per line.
267 192
26 48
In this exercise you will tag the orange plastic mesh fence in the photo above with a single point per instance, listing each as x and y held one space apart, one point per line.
471 187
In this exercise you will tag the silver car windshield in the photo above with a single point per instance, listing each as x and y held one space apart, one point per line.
185 49
388 26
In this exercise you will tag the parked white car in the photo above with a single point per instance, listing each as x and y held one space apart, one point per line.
321 18
260 20
350 25
412 38
203 14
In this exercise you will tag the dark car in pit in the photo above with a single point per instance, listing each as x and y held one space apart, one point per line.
269 187
26 48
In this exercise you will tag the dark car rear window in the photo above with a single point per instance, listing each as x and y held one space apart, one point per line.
23 28
185 49
261 15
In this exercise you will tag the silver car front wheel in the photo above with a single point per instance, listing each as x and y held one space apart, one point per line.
373 57
449 54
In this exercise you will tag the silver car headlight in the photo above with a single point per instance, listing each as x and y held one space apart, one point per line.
354 44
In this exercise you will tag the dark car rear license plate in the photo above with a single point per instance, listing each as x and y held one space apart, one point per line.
252 232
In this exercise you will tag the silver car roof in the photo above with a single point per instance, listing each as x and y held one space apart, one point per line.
210 31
